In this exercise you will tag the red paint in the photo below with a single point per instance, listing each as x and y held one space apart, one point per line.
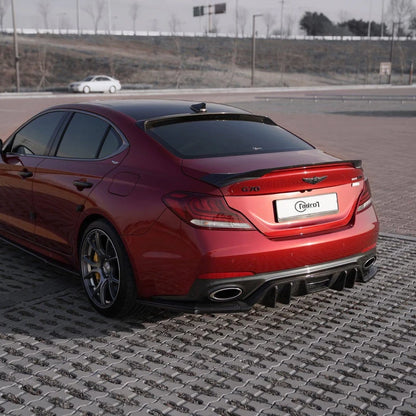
151 196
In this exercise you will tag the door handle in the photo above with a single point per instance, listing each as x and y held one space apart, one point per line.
25 174
82 184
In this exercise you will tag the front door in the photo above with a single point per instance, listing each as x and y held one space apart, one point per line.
21 155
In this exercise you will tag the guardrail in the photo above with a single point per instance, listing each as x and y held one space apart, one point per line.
72 32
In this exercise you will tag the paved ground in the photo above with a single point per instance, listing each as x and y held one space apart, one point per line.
338 353
332 353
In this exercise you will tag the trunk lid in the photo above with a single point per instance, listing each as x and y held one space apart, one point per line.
286 195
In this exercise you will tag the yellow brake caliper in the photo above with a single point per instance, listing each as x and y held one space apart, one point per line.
97 275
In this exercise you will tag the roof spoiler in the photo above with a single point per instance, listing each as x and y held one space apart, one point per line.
224 179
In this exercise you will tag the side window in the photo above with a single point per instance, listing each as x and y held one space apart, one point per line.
111 143
83 137
88 137
33 139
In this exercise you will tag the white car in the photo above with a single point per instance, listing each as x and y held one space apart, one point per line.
96 83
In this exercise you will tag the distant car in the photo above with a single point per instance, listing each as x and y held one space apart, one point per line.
189 206
96 83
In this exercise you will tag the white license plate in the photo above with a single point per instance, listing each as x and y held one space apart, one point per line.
305 207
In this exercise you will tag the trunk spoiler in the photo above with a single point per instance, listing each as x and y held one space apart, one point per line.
224 179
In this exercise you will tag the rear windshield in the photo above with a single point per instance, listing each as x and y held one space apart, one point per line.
219 137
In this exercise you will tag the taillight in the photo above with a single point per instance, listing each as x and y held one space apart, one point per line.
365 197
206 211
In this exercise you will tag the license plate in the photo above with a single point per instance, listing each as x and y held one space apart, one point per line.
305 207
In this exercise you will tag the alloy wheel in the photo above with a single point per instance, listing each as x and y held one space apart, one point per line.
100 268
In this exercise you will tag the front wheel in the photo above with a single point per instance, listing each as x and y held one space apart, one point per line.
106 273
86 90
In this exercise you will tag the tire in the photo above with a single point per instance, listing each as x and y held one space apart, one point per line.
86 90
112 89
107 276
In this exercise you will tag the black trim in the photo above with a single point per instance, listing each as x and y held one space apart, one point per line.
224 179
162 121
270 288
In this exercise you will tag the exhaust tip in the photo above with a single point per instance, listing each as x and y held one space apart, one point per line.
225 294
369 262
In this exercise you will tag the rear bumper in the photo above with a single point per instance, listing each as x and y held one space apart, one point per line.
270 288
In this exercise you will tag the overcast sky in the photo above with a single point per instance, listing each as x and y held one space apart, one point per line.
159 15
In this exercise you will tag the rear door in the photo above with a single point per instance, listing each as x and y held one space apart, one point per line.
88 150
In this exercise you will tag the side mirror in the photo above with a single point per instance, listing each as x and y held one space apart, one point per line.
11 158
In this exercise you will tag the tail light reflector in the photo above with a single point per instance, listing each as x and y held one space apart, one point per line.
365 197
205 211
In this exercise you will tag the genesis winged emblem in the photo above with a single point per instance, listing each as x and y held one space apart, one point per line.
314 180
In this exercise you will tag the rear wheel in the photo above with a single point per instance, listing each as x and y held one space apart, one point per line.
112 89
106 273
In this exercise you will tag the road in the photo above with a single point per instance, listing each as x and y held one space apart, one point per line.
331 353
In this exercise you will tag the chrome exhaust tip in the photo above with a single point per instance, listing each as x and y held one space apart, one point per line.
225 294
369 262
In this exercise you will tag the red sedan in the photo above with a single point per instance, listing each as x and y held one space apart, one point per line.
190 206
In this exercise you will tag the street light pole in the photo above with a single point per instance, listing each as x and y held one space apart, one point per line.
382 19
369 21
253 48
78 25
391 52
16 50
236 18
109 16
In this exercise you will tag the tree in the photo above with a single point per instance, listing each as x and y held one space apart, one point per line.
214 24
269 21
4 5
63 22
412 25
44 8
134 12
316 24
242 19
290 20
400 12
174 23
360 27
95 10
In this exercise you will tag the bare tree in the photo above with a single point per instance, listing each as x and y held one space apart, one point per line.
95 10
174 23
269 21
44 9
4 5
290 21
242 19
134 13
155 25
214 24
181 61
43 67
412 25
400 12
